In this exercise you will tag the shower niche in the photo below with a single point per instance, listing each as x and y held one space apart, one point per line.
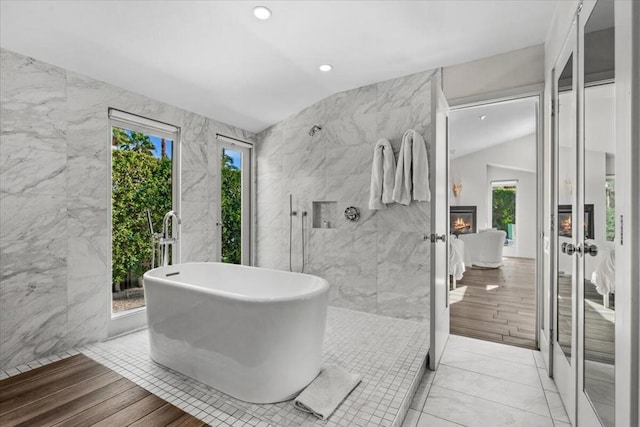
325 214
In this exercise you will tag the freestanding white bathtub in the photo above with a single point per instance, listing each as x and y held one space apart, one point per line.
252 333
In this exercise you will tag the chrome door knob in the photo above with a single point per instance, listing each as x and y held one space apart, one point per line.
587 249
568 248
435 237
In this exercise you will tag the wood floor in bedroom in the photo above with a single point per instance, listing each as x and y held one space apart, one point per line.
497 304
77 391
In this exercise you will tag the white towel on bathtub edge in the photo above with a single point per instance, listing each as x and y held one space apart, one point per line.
325 393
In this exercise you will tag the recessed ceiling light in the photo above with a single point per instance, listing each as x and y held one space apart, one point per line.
326 68
262 12
482 117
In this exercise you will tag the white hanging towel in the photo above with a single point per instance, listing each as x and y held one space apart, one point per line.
402 189
383 172
420 168
412 172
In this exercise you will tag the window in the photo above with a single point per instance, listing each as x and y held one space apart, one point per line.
142 181
503 208
235 201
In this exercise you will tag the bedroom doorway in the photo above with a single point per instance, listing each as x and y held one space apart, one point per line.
494 253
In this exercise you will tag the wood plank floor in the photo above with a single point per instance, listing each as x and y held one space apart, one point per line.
497 304
78 391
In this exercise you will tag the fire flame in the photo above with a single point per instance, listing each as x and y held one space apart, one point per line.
460 224
566 224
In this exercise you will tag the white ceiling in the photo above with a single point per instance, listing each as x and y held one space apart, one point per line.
216 59
505 121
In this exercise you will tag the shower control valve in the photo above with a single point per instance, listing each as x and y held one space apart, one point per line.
352 214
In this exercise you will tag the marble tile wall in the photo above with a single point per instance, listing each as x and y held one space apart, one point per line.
379 264
55 200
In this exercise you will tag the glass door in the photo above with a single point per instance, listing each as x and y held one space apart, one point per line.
565 215
234 224
597 154
143 188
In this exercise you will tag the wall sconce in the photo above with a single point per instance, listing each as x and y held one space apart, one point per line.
457 187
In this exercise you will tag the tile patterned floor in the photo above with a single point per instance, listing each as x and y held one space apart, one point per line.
390 353
480 383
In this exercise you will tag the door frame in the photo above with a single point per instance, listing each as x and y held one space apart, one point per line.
131 320
439 287
531 91
563 372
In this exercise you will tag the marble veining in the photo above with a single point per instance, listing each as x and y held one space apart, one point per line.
55 202
366 261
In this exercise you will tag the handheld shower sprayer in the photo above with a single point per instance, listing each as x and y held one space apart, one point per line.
293 213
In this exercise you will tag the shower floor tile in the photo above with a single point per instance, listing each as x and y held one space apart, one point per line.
389 353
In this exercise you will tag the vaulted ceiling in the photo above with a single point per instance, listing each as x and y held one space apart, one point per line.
216 59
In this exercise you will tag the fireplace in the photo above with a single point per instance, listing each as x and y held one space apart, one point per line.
462 219
564 221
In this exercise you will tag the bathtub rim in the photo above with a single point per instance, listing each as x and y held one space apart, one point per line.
322 287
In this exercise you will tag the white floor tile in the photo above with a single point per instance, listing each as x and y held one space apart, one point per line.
473 411
498 390
556 407
479 363
388 353
411 419
547 382
423 390
428 420
495 350
538 358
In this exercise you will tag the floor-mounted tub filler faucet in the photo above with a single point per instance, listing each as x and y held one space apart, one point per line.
169 239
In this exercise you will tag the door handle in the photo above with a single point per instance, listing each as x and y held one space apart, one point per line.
568 248
435 237
587 249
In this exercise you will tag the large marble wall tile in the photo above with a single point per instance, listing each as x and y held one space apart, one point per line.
403 290
269 189
398 247
351 131
392 124
269 141
296 139
363 259
269 215
398 217
32 298
272 245
25 169
196 247
314 114
346 186
55 201
33 105
32 216
354 160
198 216
88 257
353 285
197 186
414 89
352 102
88 177
88 309
195 157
